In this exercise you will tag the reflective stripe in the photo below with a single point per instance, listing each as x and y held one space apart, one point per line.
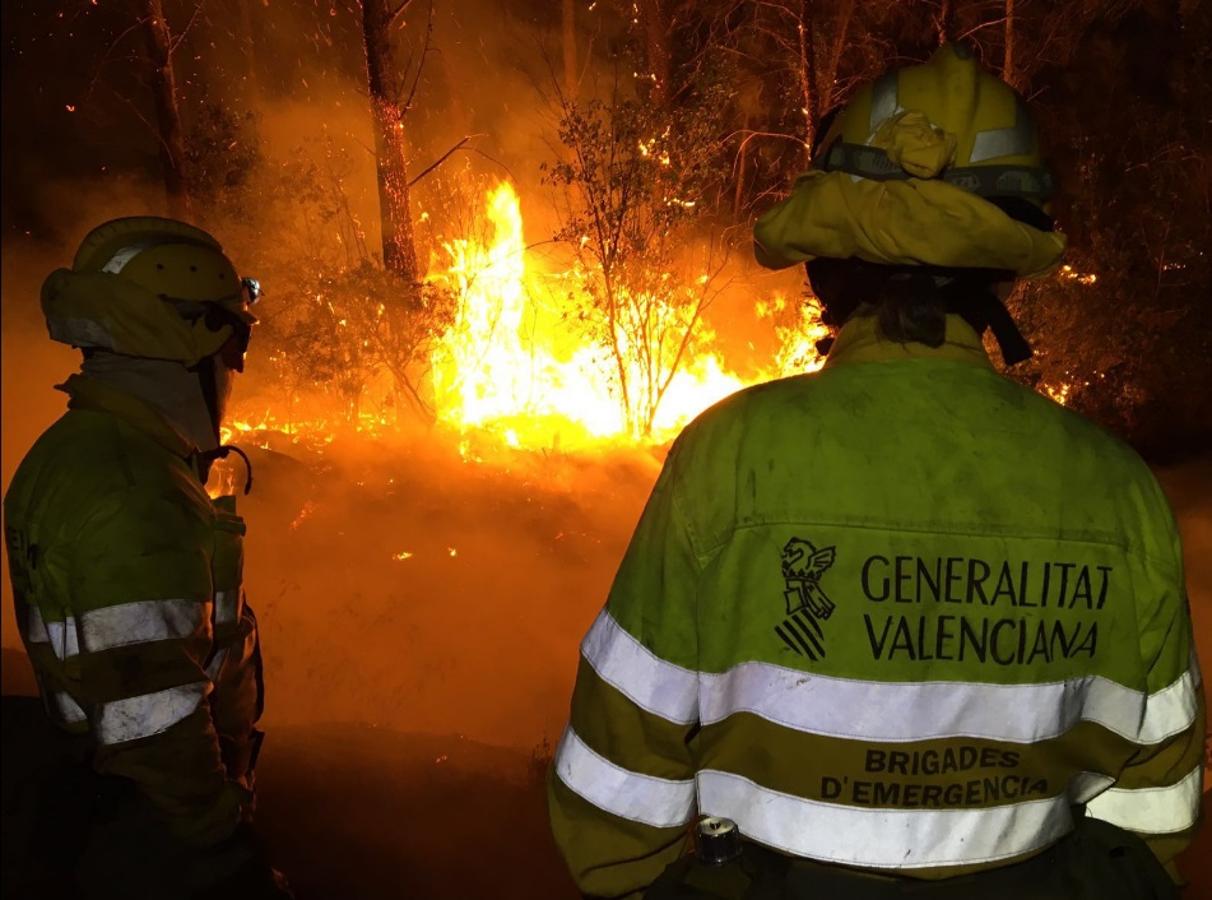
918 711
658 802
68 709
213 667
882 838
651 683
885 711
884 100
35 627
227 606
62 636
140 622
148 714
118 261
1159 810
1017 140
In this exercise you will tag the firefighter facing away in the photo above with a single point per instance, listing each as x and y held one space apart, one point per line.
127 577
912 627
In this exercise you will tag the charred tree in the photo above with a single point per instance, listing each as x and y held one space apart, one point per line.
160 48
385 80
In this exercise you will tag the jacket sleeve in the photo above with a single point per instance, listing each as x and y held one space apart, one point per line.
621 791
140 586
1159 793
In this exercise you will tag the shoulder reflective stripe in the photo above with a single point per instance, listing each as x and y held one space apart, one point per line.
64 638
1017 140
882 838
67 708
916 711
662 688
653 801
227 606
148 714
216 664
35 627
1160 810
140 622
884 102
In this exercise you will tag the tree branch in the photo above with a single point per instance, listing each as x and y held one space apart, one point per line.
441 159
172 48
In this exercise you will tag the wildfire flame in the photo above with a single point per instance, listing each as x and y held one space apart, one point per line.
511 365
514 371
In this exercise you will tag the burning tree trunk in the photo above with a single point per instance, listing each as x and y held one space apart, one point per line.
944 21
568 20
385 80
1009 72
806 37
817 76
160 48
656 48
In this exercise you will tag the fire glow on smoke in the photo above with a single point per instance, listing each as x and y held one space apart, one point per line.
513 367
514 370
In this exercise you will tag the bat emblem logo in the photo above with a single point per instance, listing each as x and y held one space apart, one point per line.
808 605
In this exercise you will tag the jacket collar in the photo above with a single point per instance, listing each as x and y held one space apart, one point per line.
91 394
858 342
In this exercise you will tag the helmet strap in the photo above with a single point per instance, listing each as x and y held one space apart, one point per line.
205 370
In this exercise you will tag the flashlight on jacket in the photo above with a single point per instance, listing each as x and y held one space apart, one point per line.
717 840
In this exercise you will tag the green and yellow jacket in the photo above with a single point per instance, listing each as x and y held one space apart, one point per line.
127 583
904 615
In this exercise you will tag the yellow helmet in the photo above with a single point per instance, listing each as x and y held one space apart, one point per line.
986 142
150 287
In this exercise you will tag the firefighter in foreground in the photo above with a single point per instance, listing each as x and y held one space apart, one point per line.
127 579
909 625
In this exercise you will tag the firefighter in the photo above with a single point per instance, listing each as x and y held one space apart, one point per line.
910 626
127 579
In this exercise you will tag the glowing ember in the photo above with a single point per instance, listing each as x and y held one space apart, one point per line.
1059 392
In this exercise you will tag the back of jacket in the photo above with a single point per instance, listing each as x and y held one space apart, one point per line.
115 552
903 615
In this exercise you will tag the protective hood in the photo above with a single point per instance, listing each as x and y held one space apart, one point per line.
916 221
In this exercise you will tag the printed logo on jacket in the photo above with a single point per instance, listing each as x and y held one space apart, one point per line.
961 608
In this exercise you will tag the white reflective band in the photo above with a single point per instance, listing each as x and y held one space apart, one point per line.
139 623
1159 810
64 639
216 664
61 636
918 711
227 606
35 627
660 687
68 709
654 801
118 261
148 714
882 838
